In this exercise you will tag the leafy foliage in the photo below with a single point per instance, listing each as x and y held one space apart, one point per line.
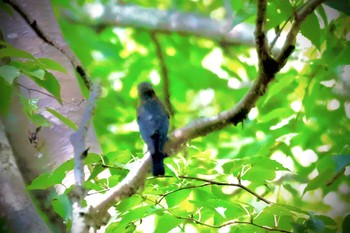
283 169
37 69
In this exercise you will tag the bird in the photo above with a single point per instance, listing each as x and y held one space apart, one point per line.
153 121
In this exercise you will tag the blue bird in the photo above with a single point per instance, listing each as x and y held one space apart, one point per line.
153 121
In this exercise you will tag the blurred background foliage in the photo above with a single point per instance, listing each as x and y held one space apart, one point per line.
302 122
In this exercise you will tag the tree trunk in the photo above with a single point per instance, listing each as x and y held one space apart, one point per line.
31 26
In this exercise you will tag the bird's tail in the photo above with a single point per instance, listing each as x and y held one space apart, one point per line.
158 164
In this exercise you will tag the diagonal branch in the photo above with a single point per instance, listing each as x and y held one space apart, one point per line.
49 34
268 67
204 126
300 16
165 21
260 36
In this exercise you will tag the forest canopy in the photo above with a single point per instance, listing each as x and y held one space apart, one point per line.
259 104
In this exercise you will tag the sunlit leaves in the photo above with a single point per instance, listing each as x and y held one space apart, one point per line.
171 222
47 180
255 169
31 109
62 205
177 198
50 83
36 69
278 12
329 169
9 73
50 64
64 119
310 28
293 113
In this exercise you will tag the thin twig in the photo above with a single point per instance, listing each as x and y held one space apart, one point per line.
192 219
183 188
335 177
164 74
49 95
300 16
278 33
212 182
229 14
232 223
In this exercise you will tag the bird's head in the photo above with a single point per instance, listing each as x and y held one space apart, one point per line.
145 91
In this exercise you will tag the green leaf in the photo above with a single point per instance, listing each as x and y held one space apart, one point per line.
95 171
39 120
278 12
64 119
315 224
267 217
129 203
327 168
340 5
51 84
346 223
5 97
9 73
341 161
13 52
47 180
62 205
42 182
176 198
8 10
47 63
310 28
30 108
166 223
92 158
231 211
133 215
256 169
277 114
37 73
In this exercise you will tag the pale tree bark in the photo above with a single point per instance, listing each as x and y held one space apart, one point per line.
16 205
31 26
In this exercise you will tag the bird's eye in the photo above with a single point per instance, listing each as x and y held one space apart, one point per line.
149 92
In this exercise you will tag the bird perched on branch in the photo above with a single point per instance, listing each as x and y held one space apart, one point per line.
153 121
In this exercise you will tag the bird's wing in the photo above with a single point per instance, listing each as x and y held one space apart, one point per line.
146 122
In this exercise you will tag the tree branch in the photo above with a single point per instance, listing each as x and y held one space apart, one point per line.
18 210
164 73
268 67
165 21
49 34
78 141
272 229
202 126
299 17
